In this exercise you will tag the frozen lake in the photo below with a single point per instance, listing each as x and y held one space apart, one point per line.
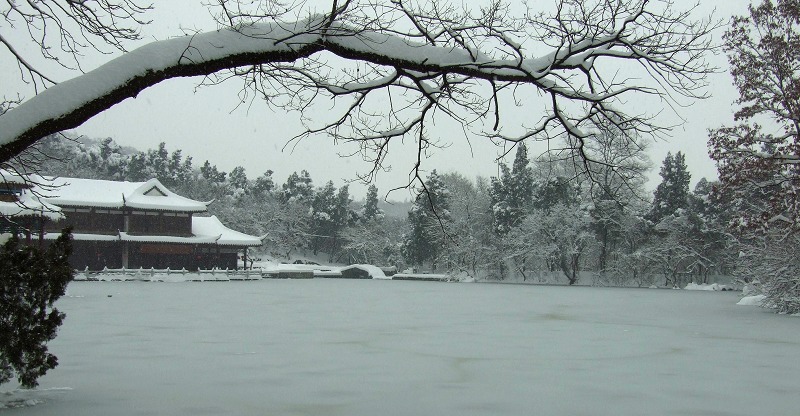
345 347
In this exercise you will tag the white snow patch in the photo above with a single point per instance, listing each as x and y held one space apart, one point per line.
755 300
423 277
373 271
751 289
297 267
463 277
709 287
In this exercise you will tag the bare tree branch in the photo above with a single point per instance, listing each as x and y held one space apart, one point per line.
390 69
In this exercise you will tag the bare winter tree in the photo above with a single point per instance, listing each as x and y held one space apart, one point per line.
392 67
759 154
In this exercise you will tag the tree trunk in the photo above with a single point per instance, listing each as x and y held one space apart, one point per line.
603 253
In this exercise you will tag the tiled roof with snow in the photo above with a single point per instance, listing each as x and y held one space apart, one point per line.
84 237
196 239
211 226
11 177
30 205
117 194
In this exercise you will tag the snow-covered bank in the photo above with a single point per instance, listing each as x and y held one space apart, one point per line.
20 398
270 270
717 287
354 347
755 300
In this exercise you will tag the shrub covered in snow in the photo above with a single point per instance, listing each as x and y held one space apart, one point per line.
773 266
782 292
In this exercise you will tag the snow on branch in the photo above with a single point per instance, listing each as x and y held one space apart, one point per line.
427 60
61 30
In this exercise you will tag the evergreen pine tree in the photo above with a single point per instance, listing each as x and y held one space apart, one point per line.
237 178
31 281
426 218
520 187
186 170
673 191
210 173
502 217
112 162
370 210
158 161
136 171
511 194
323 213
173 173
298 187
263 185
342 215
551 191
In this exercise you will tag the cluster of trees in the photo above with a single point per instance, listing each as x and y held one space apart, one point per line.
536 221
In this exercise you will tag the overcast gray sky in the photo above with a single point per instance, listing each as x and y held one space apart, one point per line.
203 123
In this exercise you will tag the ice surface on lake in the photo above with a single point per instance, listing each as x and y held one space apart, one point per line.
352 347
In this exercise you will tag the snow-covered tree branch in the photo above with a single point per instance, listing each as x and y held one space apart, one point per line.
62 29
398 66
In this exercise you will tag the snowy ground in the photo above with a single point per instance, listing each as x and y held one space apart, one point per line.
368 347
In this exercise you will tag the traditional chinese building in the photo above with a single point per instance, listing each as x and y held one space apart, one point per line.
21 211
137 224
